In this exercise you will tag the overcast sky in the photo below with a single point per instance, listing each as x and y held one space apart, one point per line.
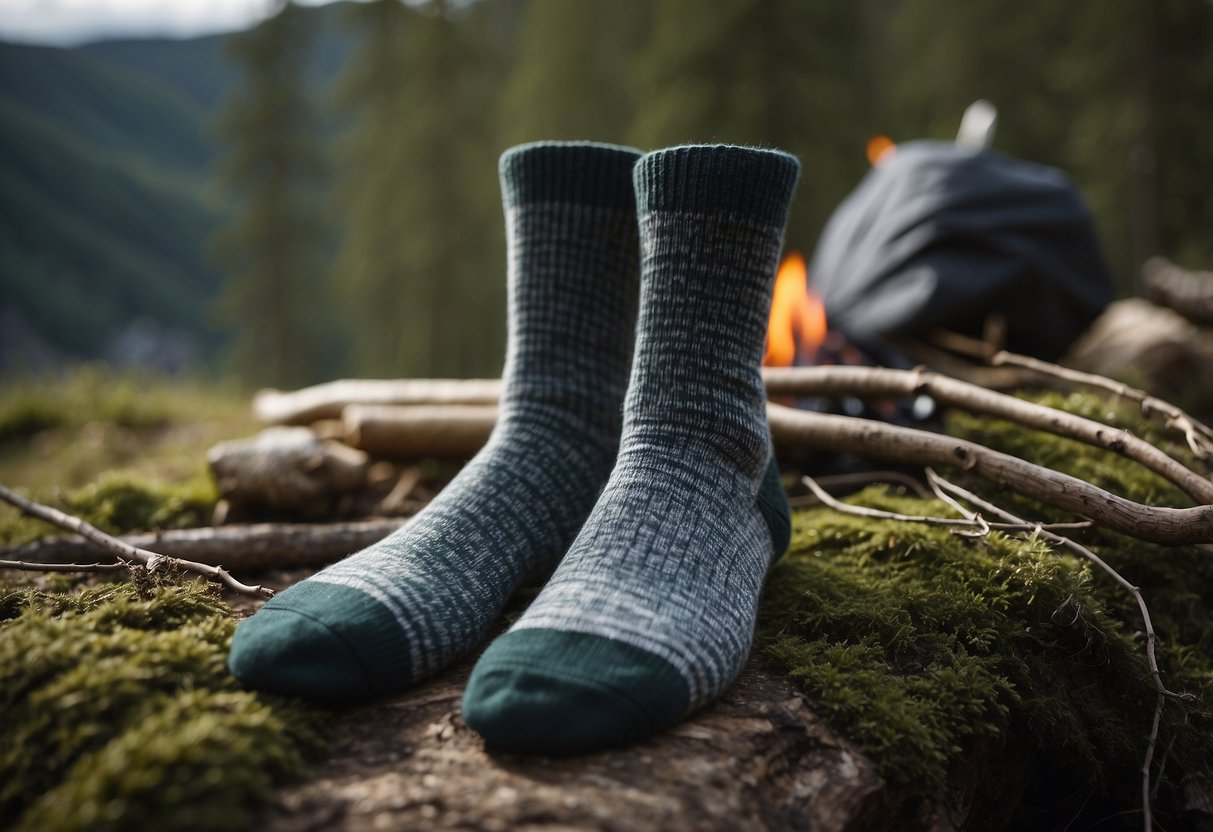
74 21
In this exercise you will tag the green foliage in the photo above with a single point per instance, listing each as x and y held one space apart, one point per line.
920 644
91 393
120 712
778 73
273 246
420 262
118 503
103 217
99 156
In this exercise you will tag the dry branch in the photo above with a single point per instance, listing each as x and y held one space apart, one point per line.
34 566
1199 436
247 547
877 440
125 551
969 521
872 382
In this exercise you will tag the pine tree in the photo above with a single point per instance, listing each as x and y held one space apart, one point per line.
571 78
420 264
767 72
273 247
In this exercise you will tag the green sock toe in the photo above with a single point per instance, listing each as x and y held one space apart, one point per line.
553 692
282 651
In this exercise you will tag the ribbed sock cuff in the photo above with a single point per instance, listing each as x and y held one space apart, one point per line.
717 179
579 173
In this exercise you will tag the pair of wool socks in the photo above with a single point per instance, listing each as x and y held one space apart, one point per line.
650 612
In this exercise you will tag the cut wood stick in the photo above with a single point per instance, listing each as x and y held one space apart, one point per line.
1199 436
246 547
125 551
872 382
326 401
419 430
892 443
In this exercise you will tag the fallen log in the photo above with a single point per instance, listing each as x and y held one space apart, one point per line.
418 430
240 547
759 758
328 400
891 443
1188 292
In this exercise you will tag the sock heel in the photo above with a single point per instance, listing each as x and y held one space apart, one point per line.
773 503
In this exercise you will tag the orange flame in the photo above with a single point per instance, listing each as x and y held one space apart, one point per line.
879 149
798 317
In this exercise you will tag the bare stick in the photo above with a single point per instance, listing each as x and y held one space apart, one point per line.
970 521
877 440
124 550
419 430
1198 435
25 566
1151 637
867 382
246 547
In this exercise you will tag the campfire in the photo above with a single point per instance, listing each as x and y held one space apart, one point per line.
798 317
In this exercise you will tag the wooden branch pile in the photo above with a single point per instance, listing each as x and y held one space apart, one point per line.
290 468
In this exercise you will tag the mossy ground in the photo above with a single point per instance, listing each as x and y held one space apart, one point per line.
917 644
120 712
125 452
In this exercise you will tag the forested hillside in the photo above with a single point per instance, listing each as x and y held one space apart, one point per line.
301 206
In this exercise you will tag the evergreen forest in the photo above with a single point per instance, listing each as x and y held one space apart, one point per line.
318 196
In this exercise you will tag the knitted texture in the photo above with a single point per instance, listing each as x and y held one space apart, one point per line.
651 614
412 603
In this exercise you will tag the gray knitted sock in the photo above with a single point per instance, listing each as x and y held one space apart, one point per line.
414 602
651 613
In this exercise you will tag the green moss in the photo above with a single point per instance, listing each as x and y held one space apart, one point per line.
119 502
120 712
920 644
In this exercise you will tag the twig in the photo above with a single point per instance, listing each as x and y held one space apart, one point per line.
1151 637
26 566
865 382
973 522
124 550
1198 435
892 443
246 547
851 480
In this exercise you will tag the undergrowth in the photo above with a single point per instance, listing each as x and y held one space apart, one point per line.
120 712
95 393
921 645
120 502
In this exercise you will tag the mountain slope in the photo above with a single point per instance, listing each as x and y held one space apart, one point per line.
106 198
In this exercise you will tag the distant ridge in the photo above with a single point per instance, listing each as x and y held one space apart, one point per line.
106 202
